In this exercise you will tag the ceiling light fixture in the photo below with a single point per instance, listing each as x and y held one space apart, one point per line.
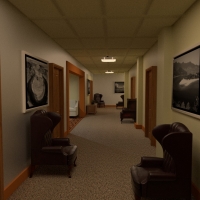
109 72
108 59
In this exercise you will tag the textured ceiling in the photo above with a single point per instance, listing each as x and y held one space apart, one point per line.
91 29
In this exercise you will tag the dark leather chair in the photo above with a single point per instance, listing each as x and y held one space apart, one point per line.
46 150
120 103
98 100
170 176
130 111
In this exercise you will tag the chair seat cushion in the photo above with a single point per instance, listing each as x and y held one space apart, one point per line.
69 150
140 174
72 109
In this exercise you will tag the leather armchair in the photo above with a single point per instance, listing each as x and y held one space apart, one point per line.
130 111
98 100
170 176
120 103
46 150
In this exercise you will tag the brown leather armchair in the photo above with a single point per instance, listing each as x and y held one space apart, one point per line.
170 176
120 103
98 100
130 111
46 150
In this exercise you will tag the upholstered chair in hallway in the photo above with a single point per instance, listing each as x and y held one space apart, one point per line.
170 176
46 150
98 100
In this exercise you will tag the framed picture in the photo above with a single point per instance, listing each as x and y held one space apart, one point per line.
88 86
185 92
35 82
119 87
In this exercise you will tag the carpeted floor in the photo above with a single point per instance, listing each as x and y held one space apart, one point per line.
73 121
106 151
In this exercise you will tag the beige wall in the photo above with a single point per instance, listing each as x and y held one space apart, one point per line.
186 35
172 41
17 33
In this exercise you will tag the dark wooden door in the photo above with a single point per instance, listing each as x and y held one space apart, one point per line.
56 96
133 87
150 103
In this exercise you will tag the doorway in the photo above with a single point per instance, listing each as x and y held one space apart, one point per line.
56 96
150 103
70 68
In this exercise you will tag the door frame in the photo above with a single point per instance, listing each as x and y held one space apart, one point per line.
1 147
153 96
53 66
70 68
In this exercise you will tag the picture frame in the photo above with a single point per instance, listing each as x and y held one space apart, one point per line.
119 87
185 87
35 82
88 86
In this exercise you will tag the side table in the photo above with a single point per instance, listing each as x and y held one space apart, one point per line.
91 109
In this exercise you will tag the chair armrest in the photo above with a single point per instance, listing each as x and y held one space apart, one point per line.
60 142
150 162
52 149
161 176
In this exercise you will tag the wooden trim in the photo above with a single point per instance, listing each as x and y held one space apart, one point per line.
1 146
52 97
8 191
195 192
137 126
91 91
70 68
150 102
143 128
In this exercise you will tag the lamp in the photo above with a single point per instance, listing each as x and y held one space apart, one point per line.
109 72
108 59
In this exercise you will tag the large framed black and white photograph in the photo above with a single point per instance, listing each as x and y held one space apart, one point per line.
185 94
119 87
35 82
88 86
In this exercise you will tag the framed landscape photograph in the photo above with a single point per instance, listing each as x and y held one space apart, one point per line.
88 86
119 87
35 82
185 91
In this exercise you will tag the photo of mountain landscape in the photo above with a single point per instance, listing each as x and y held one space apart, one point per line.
185 95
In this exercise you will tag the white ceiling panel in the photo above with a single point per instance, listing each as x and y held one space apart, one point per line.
89 30
143 42
55 28
80 8
93 43
169 7
137 52
151 26
88 27
69 43
118 42
37 9
126 8
122 27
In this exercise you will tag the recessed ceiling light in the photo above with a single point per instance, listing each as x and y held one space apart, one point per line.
109 72
108 59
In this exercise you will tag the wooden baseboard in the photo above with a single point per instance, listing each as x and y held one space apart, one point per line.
195 192
137 126
143 128
16 183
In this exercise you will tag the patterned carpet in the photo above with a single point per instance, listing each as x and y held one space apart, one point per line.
106 151
73 122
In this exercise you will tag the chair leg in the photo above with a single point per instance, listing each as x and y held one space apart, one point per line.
75 162
137 197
